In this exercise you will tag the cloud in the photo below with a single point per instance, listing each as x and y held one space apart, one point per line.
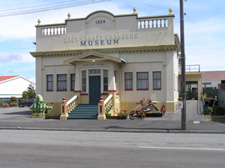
206 26
8 57
26 57
204 43
23 26
12 57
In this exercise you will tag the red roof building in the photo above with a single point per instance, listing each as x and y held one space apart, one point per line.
5 78
13 86
211 79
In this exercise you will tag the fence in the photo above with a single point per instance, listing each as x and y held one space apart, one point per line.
219 93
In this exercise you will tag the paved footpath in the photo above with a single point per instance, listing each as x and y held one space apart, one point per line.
20 118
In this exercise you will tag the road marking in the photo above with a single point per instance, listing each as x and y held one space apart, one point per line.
196 122
181 148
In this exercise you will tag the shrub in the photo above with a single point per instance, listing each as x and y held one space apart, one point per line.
208 111
1 102
107 114
5 105
13 102
219 110
122 115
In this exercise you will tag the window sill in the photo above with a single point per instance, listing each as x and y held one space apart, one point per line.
61 90
128 89
157 89
142 89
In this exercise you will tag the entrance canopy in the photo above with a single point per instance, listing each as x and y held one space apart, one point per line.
93 56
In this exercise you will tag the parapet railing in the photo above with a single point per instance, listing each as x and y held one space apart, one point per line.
153 23
193 68
50 31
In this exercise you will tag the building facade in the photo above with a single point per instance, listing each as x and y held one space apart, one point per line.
127 56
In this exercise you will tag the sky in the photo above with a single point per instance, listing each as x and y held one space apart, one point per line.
204 24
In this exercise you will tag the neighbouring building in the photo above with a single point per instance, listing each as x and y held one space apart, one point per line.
193 78
13 86
126 56
213 79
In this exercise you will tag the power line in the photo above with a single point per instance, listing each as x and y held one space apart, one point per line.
55 7
36 4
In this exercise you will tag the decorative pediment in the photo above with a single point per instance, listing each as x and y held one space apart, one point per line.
92 55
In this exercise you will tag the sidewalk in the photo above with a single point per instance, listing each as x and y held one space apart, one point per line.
21 119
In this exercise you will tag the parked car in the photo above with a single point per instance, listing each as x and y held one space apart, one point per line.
27 103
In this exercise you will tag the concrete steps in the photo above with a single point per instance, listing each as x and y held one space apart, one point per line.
84 111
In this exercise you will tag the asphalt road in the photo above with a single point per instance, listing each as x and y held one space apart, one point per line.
28 149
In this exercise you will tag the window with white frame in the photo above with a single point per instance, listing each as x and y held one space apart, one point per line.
105 79
128 80
157 80
142 81
72 81
62 82
84 81
49 82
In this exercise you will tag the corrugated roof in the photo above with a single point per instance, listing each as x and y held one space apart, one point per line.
3 78
213 75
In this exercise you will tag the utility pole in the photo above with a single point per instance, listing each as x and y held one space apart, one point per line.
183 81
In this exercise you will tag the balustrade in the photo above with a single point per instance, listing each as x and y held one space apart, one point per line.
108 103
48 31
71 103
152 23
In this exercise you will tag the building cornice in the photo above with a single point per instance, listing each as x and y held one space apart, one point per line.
138 49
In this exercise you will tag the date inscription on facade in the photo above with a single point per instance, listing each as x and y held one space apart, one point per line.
100 22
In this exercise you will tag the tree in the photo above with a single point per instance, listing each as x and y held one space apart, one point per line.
25 95
29 93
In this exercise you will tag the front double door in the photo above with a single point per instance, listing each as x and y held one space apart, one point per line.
94 89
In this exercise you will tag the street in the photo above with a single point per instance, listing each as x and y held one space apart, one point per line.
27 148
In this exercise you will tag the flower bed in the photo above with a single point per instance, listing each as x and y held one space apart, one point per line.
5 105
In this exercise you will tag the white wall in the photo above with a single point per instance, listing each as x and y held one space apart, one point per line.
14 87
125 28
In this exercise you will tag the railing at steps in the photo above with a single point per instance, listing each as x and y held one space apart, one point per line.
104 105
71 103
67 107
108 103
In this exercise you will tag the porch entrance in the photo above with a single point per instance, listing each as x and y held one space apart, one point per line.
94 89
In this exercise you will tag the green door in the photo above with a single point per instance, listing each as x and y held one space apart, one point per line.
94 89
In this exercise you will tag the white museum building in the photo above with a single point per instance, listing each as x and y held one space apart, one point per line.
126 56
